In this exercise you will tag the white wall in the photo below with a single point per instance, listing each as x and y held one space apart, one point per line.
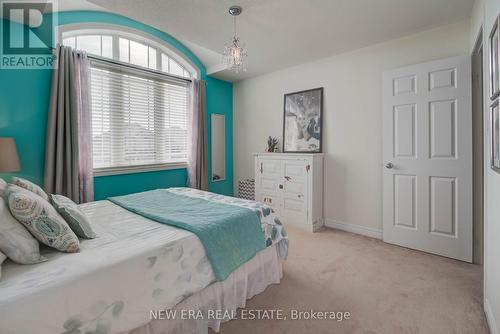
352 133
484 14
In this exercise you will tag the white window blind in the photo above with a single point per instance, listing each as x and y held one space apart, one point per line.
138 117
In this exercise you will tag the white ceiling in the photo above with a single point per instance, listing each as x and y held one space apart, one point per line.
283 33
65 5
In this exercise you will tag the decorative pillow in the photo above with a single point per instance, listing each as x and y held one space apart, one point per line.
3 187
29 186
75 218
10 188
15 241
42 220
2 258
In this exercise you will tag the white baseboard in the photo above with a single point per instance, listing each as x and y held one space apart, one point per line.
358 229
490 318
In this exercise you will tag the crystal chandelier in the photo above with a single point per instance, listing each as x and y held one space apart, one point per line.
235 54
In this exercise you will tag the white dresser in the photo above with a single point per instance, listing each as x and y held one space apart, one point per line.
292 184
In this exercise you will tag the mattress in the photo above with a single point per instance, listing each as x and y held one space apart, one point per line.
134 266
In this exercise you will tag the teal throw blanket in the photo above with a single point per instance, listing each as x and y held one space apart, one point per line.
230 234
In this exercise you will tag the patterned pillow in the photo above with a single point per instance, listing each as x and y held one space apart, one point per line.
29 186
2 258
15 240
75 218
42 220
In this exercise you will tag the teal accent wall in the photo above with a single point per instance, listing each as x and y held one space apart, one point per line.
24 100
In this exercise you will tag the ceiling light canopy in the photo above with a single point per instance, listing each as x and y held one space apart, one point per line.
235 55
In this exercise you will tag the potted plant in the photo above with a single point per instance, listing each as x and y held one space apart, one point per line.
272 144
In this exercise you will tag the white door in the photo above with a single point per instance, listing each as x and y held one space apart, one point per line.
427 156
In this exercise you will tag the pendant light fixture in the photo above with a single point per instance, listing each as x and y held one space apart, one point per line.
235 54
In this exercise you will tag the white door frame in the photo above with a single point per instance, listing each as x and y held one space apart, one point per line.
480 120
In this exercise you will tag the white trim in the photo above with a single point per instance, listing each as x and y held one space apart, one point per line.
490 318
135 70
357 229
74 29
281 154
138 169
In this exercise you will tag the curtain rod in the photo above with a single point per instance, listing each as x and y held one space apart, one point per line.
134 67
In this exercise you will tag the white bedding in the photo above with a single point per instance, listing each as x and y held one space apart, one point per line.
224 297
135 265
111 284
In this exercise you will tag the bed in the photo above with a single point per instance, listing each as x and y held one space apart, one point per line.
124 280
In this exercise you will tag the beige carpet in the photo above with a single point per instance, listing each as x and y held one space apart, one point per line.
387 289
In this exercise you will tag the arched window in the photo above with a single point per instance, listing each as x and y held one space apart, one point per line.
129 47
139 115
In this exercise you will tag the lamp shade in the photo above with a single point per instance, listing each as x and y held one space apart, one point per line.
9 161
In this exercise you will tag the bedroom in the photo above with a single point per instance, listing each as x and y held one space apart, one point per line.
274 166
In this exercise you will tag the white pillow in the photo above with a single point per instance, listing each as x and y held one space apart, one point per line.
15 240
2 258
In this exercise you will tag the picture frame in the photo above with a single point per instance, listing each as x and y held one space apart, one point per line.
494 51
303 121
495 136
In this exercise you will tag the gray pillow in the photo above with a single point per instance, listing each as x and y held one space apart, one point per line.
29 186
75 218
3 187
42 220
2 258
15 240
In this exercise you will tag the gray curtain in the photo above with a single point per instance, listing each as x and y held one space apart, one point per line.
68 149
197 138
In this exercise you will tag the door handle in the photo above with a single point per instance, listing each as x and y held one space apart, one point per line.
261 169
389 165
281 186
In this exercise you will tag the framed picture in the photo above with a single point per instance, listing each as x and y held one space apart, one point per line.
495 136
494 61
302 119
